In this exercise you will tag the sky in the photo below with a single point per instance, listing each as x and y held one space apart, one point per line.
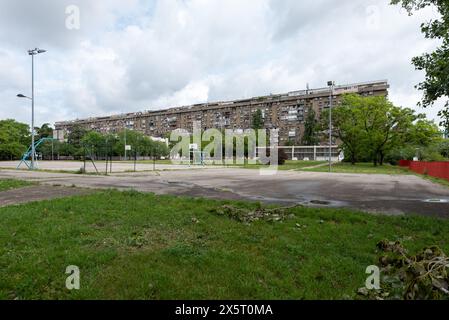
111 56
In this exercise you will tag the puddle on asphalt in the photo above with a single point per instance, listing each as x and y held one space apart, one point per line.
321 202
437 201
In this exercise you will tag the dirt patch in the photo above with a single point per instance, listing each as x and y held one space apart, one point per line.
38 193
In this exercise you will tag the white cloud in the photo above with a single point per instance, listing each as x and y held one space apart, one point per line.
139 55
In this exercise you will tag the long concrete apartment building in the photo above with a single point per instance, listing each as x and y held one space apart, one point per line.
286 112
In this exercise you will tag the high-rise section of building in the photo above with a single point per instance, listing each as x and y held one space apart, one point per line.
286 112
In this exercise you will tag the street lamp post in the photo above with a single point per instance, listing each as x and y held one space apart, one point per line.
32 53
127 126
331 85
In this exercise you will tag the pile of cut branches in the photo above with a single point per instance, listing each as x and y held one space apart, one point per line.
260 213
424 276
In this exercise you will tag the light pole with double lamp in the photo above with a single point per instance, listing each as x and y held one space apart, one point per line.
32 53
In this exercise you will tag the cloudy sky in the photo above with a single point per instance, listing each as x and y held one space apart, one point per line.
140 55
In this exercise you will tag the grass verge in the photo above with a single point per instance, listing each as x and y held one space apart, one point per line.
130 245
8 184
366 168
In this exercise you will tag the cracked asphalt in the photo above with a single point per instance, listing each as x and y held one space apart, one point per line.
383 194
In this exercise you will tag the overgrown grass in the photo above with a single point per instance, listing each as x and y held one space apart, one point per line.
7 184
141 246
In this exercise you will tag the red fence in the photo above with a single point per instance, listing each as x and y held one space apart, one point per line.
433 169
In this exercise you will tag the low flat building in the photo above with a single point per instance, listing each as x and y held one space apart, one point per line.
286 112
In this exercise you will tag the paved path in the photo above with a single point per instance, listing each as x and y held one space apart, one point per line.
120 166
391 194
37 193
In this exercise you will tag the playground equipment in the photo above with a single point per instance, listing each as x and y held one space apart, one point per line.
27 155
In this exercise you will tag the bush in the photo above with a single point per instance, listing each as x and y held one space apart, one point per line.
429 153
405 153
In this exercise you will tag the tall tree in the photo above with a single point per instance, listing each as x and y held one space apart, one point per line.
310 137
373 126
435 64
348 126
257 120
386 126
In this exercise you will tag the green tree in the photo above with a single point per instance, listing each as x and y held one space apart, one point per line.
75 138
14 139
443 148
50 148
436 63
94 143
159 149
424 132
45 131
372 127
257 120
348 126
422 139
311 127
386 126
133 138
141 145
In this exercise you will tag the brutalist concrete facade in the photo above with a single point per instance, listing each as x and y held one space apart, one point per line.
286 112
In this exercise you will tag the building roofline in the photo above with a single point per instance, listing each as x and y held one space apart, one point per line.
220 104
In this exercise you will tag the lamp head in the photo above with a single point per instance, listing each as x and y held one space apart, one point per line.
36 51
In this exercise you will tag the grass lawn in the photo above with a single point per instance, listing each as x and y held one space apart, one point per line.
289 165
147 161
443 182
367 168
141 246
7 184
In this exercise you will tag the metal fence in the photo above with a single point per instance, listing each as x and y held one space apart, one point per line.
310 153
